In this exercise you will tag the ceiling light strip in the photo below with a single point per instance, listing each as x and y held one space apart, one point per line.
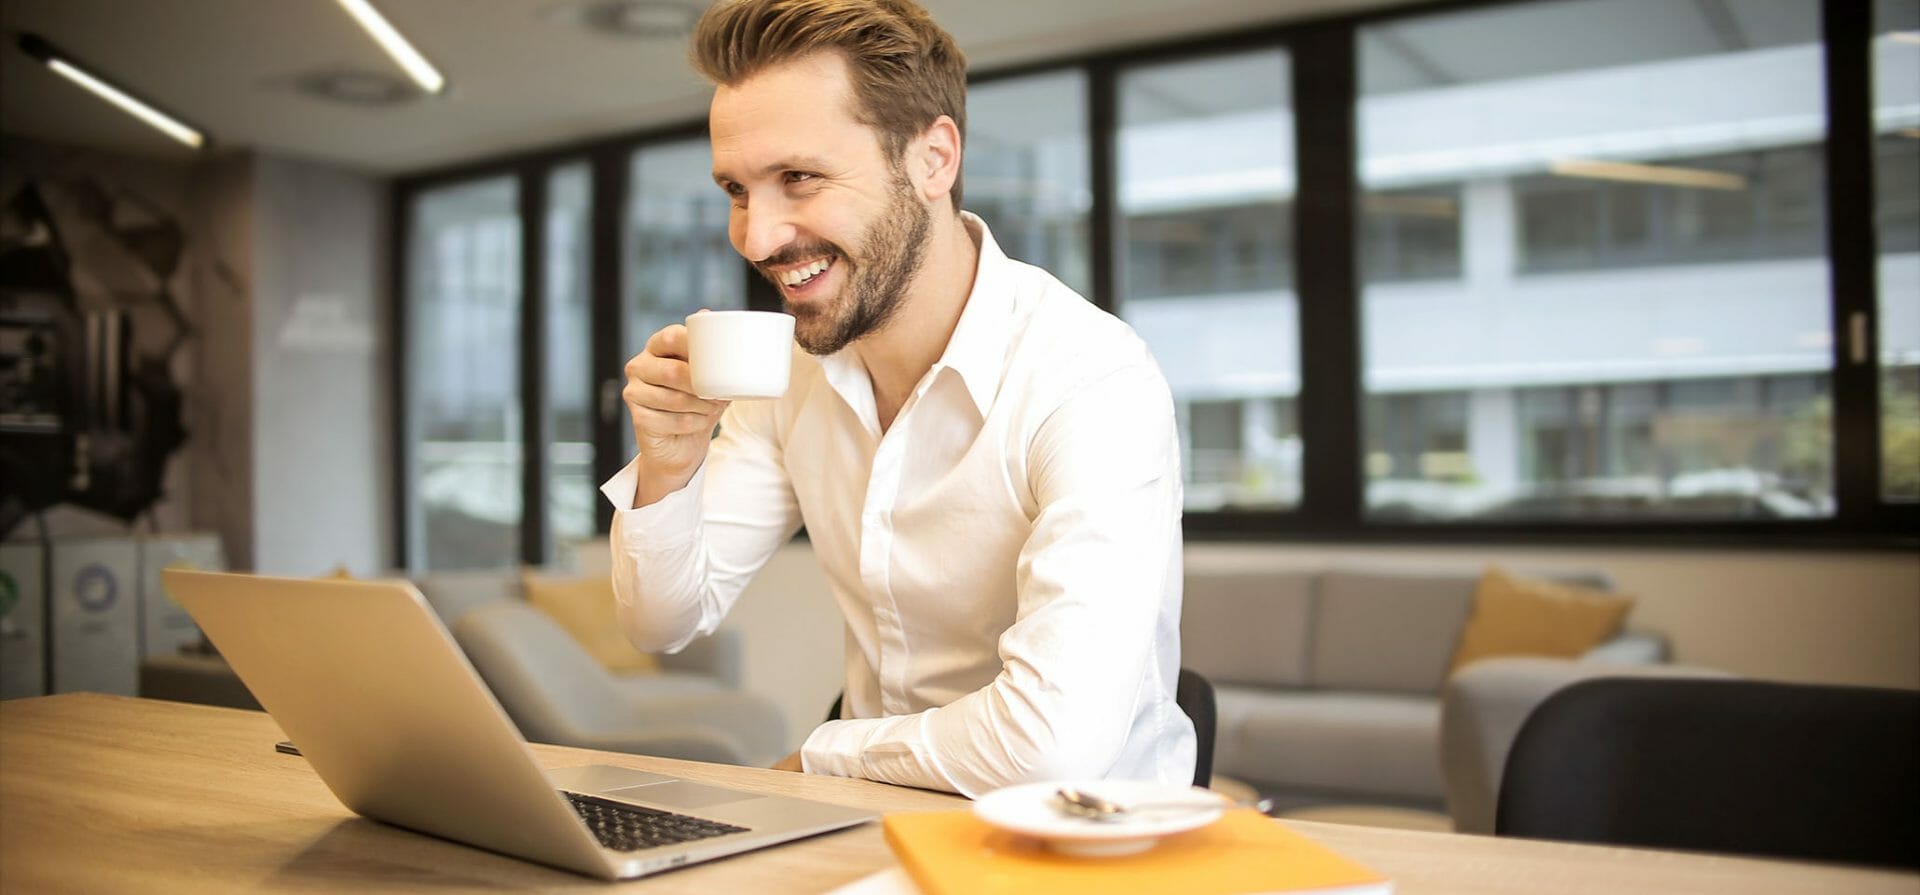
418 68
1667 175
66 67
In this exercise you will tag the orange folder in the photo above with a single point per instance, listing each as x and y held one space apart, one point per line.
956 853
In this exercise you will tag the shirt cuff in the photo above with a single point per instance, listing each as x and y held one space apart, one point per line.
890 750
671 518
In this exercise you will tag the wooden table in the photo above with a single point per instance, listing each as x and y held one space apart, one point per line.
110 794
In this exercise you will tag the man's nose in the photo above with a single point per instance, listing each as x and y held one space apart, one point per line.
766 228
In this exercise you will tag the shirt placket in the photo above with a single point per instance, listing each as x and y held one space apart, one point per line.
877 540
876 561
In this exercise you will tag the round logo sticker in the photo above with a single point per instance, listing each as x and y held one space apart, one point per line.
95 588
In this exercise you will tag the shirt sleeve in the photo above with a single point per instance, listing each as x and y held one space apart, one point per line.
1095 577
679 563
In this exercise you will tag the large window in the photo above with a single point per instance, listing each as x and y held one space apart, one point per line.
1896 128
1528 269
1205 197
1636 320
570 488
1027 174
675 255
463 377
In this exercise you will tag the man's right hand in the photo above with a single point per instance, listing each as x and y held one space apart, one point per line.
671 425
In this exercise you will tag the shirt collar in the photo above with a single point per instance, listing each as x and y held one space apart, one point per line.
977 349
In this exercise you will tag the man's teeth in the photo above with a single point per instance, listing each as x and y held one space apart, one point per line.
800 275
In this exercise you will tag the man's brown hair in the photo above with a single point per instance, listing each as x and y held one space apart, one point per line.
906 70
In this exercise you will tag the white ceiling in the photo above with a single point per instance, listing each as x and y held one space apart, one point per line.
524 73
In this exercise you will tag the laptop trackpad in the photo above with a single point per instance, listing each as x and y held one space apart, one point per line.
681 794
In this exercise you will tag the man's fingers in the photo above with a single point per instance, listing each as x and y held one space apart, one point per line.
664 373
670 341
659 390
660 422
645 394
671 372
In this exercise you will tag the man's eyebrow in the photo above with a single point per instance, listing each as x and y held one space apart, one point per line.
795 163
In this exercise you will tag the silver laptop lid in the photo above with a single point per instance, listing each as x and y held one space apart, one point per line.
366 681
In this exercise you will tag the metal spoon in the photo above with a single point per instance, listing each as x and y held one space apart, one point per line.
1077 803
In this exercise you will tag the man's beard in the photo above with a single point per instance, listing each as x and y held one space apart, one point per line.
893 249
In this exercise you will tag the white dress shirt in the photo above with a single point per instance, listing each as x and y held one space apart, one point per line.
1007 553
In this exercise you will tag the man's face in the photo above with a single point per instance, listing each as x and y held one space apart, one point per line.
818 207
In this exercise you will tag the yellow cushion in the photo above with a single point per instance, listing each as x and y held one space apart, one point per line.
1526 617
584 608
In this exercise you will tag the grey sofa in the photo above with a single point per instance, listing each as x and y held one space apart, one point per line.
555 692
551 688
1328 682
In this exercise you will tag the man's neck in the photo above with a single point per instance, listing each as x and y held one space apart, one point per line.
909 345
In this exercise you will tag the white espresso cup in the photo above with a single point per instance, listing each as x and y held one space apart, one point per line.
738 355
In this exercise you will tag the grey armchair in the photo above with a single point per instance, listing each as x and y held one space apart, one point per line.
556 693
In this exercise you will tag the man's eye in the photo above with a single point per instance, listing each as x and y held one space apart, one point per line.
799 176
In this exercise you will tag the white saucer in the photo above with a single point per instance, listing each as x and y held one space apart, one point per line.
1032 809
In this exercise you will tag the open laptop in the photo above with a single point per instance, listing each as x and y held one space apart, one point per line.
366 681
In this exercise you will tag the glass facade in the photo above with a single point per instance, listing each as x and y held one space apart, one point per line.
463 384
568 281
675 258
1593 285
1896 177
1617 305
1027 171
1205 198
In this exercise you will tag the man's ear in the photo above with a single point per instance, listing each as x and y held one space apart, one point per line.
936 158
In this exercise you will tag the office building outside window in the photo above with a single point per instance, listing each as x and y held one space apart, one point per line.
569 307
463 396
1027 171
1620 308
1896 130
1205 166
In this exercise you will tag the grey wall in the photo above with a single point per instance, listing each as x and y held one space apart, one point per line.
322 491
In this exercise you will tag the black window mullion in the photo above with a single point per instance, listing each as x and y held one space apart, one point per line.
1325 144
1853 254
1103 227
536 428
608 374
399 239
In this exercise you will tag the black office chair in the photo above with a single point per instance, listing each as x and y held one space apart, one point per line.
1193 694
1751 767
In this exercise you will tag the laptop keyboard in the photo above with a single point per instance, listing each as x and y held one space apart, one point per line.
624 827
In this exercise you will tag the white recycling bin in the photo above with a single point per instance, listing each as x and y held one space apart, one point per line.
165 627
96 615
23 621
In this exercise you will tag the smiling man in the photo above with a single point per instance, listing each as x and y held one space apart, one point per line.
986 464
